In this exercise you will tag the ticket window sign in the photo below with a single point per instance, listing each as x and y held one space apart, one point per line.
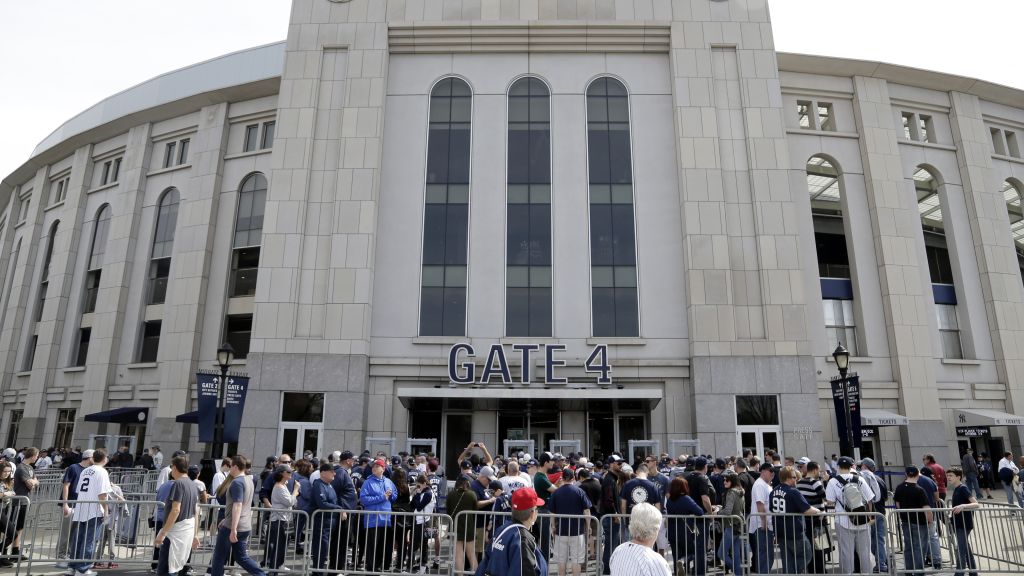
463 369
973 431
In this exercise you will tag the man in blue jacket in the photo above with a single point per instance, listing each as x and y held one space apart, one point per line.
377 495
324 499
346 491
514 552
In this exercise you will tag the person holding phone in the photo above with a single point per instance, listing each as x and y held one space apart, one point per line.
376 495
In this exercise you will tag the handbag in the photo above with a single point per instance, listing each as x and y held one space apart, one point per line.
821 540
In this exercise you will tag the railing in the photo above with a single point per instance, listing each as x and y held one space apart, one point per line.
989 540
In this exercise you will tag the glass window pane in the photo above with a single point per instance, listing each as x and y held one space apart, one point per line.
601 235
517 311
540 312
540 194
602 276
433 275
456 241
603 312
518 109
627 318
598 156
302 407
519 193
760 410
434 220
431 311
625 277
454 312
455 276
540 277
518 277
437 155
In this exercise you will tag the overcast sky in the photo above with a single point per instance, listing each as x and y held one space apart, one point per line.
58 57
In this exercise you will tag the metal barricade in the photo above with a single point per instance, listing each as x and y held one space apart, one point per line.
274 543
568 543
13 514
987 540
87 536
825 543
370 542
691 544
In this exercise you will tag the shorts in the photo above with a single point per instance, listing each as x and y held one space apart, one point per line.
22 513
569 550
481 537
662 542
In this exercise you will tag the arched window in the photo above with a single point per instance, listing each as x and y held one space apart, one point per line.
1012 193
940 267
446 216
825 188
99 247
248 237
528 277
44 284
163 246
615 300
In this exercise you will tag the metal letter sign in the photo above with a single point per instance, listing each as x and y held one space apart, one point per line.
209 385
462 368
853 381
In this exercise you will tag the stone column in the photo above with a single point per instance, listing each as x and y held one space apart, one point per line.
906 303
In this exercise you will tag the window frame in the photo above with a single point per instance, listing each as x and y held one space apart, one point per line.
145 339
65 426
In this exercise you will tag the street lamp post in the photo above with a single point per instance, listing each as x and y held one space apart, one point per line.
842 358
225 354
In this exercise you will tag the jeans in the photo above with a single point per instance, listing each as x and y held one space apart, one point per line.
973 486
240 550
964 555
1011 498
163 557
277 544
84 544
320 539
763 550
611 538
879 530
934 546
731 550
796 553
915 539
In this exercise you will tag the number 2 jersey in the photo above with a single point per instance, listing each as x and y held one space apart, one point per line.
93 482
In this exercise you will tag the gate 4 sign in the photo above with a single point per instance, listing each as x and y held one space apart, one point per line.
462 368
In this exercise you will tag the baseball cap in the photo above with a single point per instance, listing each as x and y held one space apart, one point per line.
487 472
194 468
700 462
9 453
532 462
179 453
804 461
568 473
911 470
88 453
845 462
466 465
614 458
588 465
627 469
869 463
282 468
558 456
380 462
346 455
525 498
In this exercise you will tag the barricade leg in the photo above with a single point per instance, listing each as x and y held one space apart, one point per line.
320 541
158 526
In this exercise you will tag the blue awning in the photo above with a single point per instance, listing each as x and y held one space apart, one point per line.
120 416
188 417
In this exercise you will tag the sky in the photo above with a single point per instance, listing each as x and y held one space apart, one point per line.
58 57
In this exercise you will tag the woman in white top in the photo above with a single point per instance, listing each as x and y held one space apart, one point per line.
422 503
281 501
637 557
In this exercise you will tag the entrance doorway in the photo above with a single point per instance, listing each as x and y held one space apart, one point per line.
294 439
302 424
458 434
758 438
758 427
138 433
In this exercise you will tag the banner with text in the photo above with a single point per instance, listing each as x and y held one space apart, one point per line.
234 405
853 383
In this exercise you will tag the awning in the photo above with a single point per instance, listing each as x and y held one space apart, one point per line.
522 398
876 417
983 417
188 417
120 416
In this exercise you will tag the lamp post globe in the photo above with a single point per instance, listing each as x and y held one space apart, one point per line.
225 355
842 358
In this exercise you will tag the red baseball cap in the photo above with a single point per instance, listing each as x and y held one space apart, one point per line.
525 498
380 463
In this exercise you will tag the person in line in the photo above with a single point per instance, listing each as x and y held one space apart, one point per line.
69 493
423 504
402 523
179 533
986 478
89 513
570 534
933 554
879 529
909 496
1006 471
685 536
345 489
303 468
969 464
325 500
786 504
760 528
964 504
854 533
637 556
377 495
607 509
733 513
233 531
514 551
813 490
282 500
157 520
462 499
25 483
7 524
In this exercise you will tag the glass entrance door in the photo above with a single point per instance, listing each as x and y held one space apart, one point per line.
296 438
759 439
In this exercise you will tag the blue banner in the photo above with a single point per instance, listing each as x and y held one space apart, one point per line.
853 383
234 405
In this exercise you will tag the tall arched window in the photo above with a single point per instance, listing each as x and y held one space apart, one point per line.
825 189
245 258
1012 193
446 216
615 300
99 247
163 246
940 267
44 284
528 277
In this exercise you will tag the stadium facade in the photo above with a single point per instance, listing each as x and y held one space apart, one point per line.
389 215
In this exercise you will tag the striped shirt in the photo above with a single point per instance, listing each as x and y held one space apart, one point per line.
631 559
812 490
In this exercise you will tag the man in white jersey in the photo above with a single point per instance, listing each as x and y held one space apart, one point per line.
513 478
90 512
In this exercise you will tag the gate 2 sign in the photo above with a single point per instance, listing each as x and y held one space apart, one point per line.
496 369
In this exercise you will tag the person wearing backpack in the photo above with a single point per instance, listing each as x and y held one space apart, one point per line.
879 529
514 551
851 494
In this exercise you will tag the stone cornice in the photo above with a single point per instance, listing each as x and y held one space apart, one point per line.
497 37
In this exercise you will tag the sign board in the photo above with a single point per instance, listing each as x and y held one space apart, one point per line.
234 404
868 431
973 431
853 384
462 368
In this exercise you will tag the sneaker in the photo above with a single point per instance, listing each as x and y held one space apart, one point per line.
112 565
284 569
100 565
87 573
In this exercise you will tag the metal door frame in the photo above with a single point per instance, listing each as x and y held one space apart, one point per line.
528 446
300 428
675 445
577 445
633 444
117 442
432 442
390 441
758 432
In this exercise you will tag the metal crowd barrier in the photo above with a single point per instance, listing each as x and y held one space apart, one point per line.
995 544
274 542
86 537
827 543
13 512
691 544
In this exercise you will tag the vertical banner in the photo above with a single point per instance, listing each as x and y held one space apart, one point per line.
234 406
853 382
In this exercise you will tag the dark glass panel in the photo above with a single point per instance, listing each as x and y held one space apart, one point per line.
601 236
540 156
540 312
431 311
458 161
517 312
454 311
624 245
434 234
603 312
457 234
627 321
437 157
519 153
540 234
619 160
598 157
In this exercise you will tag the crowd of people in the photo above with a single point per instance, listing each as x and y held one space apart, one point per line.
693 508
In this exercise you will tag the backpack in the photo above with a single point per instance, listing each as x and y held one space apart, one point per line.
1006 475
883 495
853 500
